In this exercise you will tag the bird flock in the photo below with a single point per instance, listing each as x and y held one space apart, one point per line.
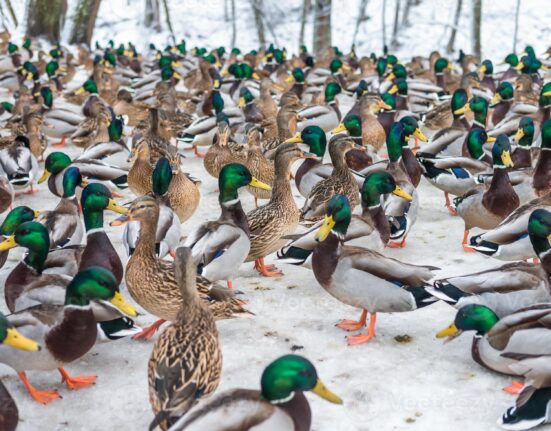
331 147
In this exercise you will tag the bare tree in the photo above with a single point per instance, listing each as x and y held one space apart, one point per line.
13 16
405 15
515 35
451 42
259 20
306 6
322 26
361 18
46 18
152 16
168 20
84 21
394 40
233 24
383 16
477 18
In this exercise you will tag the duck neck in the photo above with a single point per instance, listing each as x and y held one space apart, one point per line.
145 246
325 258
233 211
37 256
93 220
282 186
542 248
377 214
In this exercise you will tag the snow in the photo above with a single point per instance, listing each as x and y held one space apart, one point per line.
386 385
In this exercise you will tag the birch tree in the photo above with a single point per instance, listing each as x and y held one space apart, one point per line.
515 35
477 18
394 40
451 42
322 26
306 6
84 21
258 13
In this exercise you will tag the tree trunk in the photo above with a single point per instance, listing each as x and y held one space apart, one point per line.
12 12
477 18
405 15
152 18
451 42
84 21
322 26
168 20
233 24
515 35
306 6
46 18
394 40
361 17
259 21
384 27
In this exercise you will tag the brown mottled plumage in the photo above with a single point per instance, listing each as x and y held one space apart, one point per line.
139 176
261 168
9 415
183 191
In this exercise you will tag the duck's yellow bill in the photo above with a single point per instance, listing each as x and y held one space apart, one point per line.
398 191
506 159
325 393
325 229
549 237
496 99
519 135
481 69
80 90
177 75
297 139
121 303
255 76
393 89
290 78
390 77
259 184
45 175
113 206
490 139
339 129
8 243
16 340
242 102
420 135
520 65
450 331
36 213
462 110
547 93
216 83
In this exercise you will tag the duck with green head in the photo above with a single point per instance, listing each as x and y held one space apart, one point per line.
370 229
279 404
220 247
413 133
485 209
486 69
400 89
441 66
247 104
386 116
66 332
58 123
356 159
511 73
326 116
364 278
502 101
298 79
15 217
524 138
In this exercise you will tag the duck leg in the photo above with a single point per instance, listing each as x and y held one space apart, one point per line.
353 325
266 270
514 388
401 244
451 209
230 284
77 382
148 332
198 153
354 340
464 243
43 397
60 144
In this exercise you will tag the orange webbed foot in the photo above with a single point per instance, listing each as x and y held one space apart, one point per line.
354 340
148 332
42 396
76 382
514 388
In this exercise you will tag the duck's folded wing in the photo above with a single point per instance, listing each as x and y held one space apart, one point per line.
211 239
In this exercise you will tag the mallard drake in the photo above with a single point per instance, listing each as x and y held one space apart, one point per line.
7 194
370 229
150 281
341 180
364 278
507 288
356 159
280 403
65 332
15 217
19 164
219 247
64 222
279 217
58 123
186 361
487 208
247 103
326 116
523 140
95 170
259 166
501 101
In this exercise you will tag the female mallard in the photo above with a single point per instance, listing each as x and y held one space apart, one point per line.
280 404
370 229
182 190
186 361
364 278
219 247
19 164
341 180
487 208
64 222
509 287
150 280
57 162
125 105
326 116
259 166
139 175
65 332
220 153
279 217
373 132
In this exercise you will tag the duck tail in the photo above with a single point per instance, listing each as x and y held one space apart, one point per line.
531 410
445 291
293 255
421 296
485 247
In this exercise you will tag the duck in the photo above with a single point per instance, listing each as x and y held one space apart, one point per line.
9 414
259 166
59 123
7 193
341 180
523 140
326 116
139 175
150 280
92 130
222 151
364 278
66 332
502 101
94 170
14 218
356 159
64 222
280 401
509 287
280 216
220 246
369 229
373 133
126 105
485 209
247 103
19 164
186 362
